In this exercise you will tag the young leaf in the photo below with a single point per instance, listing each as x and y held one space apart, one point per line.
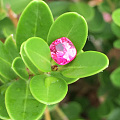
3 111
35 21
116 44
19 68
115 77
116 16
83 9
20 104
70 25
48 90
27 61
11 47
6 70
86 64
59 75
39 53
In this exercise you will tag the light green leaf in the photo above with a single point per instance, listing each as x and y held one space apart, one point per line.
83 9
35 21
116 16
20 104
115 77
59 75
39 53
48 90
3 80
6 70
11 47
27 61
3 111
70 25
19 68
86 64
116 44
58 7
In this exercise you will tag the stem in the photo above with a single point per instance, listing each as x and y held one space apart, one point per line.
60 113
112 6
47 114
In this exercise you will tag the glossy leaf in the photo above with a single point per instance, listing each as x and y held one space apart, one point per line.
115 77
48 90
39 53
116 44
59 75
97 23
115 29
70 25
83 9
19 68
35 21
6 70
27 61
86 64
11 47
58 7
20 104
116 16
3 111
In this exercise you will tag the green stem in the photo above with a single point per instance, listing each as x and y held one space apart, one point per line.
60 113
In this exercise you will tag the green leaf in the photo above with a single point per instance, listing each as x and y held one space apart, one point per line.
48 90
115 29
19 68
70 25
115 77
116 16
20 104
39 53
35 21
11 47
6 70
27 61
59 75
86 64
97 24
83 9
3 111
3 80
116 44
58 7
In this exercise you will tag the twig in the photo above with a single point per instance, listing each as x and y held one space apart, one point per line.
47 114
60 113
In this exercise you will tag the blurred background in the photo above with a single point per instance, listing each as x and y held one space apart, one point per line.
92 98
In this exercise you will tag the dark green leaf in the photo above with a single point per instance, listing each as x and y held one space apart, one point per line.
35 21
19 68
20 104
39 53
48 90
11 47
27 61
86 64
70 25
83 9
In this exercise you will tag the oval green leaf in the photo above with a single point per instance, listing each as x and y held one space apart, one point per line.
48 90
86 64
116 44
35 21
11 47
70 25
39 53
115 77
83 9
116 16
20 104
19 68
27 61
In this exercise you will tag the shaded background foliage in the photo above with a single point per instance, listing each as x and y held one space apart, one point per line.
91 98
